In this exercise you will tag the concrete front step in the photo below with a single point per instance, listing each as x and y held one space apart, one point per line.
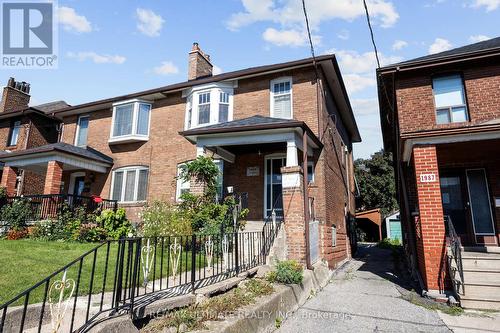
483 249
483 304
485 261
482 291
482 276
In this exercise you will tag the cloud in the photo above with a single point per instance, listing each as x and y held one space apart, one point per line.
356 82
399 44
148 22
71 21
478 38
97 58
440 45
489 4
289 12
216 70
343 34
166 68
354 62
365 106
287 37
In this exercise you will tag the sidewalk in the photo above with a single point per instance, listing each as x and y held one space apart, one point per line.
365 296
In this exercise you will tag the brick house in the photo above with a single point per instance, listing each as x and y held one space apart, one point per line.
440 116
271 129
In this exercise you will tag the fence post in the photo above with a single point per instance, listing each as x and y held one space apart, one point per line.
135 277
119 280
193 262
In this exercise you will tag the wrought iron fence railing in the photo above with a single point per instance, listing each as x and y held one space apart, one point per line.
455 266
47 206
121 276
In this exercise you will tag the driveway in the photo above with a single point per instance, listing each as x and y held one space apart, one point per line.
364 296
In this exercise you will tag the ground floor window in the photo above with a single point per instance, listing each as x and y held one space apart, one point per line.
129 184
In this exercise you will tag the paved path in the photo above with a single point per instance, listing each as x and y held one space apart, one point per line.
365 296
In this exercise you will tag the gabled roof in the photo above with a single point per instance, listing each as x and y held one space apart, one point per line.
87 152
480 48
45 110
51 106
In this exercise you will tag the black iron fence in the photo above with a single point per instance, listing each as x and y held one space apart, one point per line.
48 206
123 276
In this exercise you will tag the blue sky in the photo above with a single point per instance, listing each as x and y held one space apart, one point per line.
107 50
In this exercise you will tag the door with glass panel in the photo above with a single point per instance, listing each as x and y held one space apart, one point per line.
480 206
273 186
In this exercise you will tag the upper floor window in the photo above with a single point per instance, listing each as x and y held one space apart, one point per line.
14 133
449 97
129 184
130 121
82 131
281 98
209 104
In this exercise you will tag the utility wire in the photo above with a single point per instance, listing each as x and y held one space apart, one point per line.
371 33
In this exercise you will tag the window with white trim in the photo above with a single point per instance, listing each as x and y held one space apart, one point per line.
208 105
183 186
14 133
281 98
82 131
129 184
131 121
449 98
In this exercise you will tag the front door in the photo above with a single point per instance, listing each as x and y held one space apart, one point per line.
79 185
273 186
480 206
454 204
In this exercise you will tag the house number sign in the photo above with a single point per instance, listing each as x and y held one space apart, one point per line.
427 177
253 171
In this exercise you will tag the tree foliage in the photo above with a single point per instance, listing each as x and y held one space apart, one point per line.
376 183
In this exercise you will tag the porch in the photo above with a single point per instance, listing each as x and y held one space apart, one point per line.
55 174
271 161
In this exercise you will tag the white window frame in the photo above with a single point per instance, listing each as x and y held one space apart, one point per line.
124 182
192 103
449 108
271 94
15 126
78 130
134 136
181 184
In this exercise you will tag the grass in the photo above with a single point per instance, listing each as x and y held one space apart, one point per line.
215 308
25 262
413 298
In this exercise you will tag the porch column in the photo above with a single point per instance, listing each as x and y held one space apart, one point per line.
431 231
291 154
293 211
53 178
9 177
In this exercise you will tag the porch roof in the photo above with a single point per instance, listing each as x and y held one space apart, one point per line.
72 156
254 123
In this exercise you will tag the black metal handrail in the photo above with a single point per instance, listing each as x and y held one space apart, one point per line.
122 276
47 206
455 258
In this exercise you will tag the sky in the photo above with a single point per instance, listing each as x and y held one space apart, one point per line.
107 50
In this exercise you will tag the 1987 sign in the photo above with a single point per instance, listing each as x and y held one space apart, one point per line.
427 177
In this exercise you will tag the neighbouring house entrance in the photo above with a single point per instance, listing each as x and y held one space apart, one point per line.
273 185
466 200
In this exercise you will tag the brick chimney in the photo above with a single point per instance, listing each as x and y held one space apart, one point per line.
199 63
16 95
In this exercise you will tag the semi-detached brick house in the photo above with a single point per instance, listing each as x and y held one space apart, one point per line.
255 122
440 117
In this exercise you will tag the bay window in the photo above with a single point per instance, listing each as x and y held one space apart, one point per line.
208 105
130 121
129 184
281 98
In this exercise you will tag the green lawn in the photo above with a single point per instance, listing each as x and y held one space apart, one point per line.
26 262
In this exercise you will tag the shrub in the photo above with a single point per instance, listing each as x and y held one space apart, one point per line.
14 234
90 232
287 272
17 214
205 171
163 219
115 223
387 243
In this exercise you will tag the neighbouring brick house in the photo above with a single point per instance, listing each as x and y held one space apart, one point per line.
255 122
440 117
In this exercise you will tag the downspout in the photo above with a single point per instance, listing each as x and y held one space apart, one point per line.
306 198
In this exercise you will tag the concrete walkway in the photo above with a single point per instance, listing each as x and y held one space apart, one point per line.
364 296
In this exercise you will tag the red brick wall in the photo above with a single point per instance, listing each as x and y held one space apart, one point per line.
54 178
431 243
415 100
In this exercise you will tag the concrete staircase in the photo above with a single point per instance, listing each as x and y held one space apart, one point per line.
481 270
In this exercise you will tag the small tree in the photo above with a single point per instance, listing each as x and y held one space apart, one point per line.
205 171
